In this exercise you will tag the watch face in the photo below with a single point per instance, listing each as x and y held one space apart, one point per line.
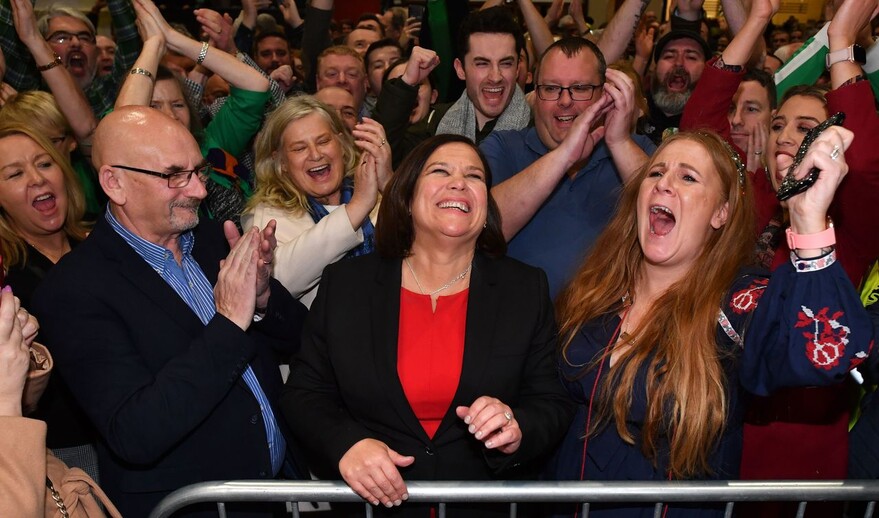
859 55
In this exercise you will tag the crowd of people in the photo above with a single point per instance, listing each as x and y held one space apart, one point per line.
434 243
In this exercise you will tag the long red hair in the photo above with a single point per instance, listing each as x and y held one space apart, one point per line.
685 383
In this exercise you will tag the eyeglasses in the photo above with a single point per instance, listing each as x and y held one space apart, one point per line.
62 37
177 179
577 92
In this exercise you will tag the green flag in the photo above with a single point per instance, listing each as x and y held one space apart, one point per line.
808 63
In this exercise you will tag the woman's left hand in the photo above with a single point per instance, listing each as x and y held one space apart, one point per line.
370 137
808 210
493 423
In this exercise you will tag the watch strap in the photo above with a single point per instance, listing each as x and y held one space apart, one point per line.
854 53
50 65
821 239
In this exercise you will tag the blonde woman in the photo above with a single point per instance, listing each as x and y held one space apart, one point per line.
41 209
40 111
313 180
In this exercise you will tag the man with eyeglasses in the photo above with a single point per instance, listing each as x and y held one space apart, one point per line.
169 340
557 184
72 37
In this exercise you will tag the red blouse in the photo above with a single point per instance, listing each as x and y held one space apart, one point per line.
430 353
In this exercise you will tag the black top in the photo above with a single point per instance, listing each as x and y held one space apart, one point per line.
67 423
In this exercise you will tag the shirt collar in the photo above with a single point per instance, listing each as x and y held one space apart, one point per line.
600 153
156 256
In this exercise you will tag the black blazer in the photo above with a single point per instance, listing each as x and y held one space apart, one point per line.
163 390
344 387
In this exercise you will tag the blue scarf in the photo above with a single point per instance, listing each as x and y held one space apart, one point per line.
318 212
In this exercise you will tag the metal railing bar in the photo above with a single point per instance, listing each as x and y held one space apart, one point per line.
221 509
514 509
585 511
442 510
729 510
871 506
526 492
657 510
801 510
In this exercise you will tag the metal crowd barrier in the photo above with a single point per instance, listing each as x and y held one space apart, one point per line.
515 492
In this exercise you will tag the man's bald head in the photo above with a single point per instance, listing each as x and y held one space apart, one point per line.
137 151
134 131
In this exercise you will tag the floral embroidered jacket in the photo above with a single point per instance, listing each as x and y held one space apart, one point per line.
803 326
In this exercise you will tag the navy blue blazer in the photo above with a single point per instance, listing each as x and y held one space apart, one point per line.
163 390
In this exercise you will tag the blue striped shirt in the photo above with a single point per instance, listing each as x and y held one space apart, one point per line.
189 281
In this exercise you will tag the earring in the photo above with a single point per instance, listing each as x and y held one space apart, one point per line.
485 225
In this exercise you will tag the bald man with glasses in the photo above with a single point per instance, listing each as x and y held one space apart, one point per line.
168 339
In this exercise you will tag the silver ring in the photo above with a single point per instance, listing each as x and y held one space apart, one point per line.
758 153
509 416
266 262
835 153
383 143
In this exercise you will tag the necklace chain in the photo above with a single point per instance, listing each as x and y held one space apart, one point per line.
444 286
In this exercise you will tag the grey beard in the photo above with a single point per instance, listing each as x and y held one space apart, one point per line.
671 103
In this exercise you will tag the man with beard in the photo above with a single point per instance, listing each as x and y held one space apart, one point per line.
168 339
72 37
680 57
271 50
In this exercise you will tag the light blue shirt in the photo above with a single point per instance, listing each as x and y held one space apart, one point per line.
188 280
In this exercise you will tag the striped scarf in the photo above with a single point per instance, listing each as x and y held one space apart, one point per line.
318 212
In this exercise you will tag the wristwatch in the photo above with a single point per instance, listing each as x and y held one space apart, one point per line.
821 239
854 53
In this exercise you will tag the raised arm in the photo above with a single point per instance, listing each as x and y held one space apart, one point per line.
21 74
620 29
750 36
541 36
810 326
70 98
709 104
315 38
848 22
290 12
735 13
138 87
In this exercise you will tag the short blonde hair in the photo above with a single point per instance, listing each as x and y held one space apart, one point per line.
38 110
273 186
